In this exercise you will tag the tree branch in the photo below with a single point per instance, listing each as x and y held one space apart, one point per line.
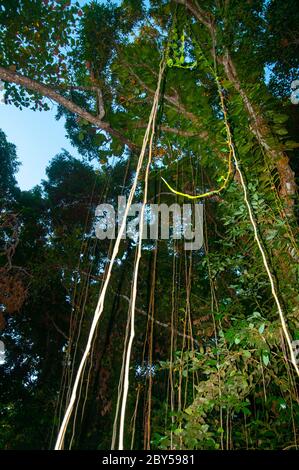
57 328
204 17
165 325
48 92
171 99
173 130
259 127
261 130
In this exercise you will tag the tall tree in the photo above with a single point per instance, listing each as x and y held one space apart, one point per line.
209 364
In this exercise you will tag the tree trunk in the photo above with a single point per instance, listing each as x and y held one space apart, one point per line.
259 126
261 131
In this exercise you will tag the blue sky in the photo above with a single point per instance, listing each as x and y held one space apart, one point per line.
38 138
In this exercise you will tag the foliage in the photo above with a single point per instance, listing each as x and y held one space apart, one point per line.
205 319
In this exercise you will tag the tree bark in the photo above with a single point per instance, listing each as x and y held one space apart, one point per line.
261 131
259 126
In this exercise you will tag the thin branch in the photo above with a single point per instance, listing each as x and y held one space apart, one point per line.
165 325
204 17
173 130
98 91
58 329
100 103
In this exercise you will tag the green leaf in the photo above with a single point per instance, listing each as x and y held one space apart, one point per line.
178 431
99 139
280 118
266 358
291 144
246 354
281 131
271 234
261 328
